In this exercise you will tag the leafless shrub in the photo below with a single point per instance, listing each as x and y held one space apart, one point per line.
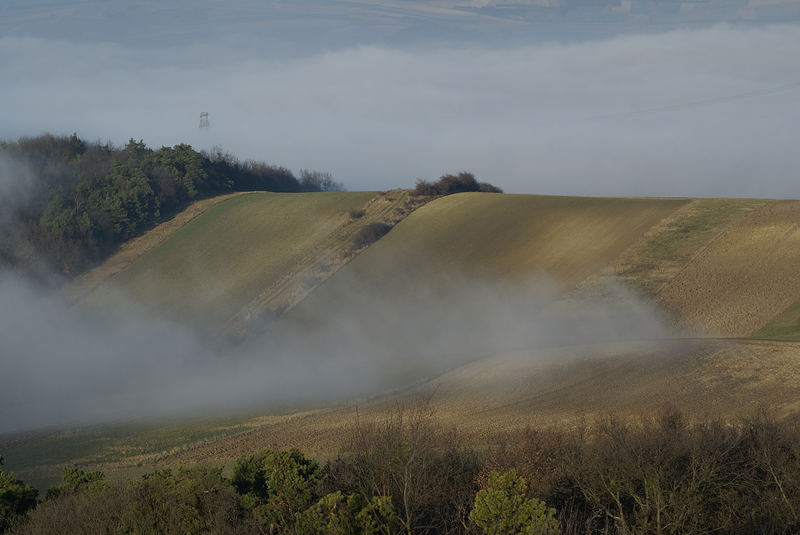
663 475
412 459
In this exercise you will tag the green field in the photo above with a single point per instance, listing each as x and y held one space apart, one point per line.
784 327
216 264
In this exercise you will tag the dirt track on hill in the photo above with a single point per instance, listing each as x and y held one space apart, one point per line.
743 278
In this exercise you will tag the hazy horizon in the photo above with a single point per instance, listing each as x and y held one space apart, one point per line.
538 96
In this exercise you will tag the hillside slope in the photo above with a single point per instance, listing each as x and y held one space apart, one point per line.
716 266
475 237
207 270
719 267
744 278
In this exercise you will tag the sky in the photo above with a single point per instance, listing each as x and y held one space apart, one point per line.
658 98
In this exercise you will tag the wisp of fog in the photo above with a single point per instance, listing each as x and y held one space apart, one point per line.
76 365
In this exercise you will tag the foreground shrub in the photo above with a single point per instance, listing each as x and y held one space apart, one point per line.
337 514
664 475
197 500
84 513
16 498
74 480
406 474
504 508
277 486
412 460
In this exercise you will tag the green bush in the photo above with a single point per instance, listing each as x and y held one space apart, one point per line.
74 480
504 508
277 486
16 498
197 500
337 514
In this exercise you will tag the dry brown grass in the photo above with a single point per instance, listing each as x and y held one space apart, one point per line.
705 379
743 278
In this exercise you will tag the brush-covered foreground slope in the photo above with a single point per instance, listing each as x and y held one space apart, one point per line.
216 264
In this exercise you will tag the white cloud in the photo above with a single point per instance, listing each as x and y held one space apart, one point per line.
540 118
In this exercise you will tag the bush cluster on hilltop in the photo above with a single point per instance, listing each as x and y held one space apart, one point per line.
449 184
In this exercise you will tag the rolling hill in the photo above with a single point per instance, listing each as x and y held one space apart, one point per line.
211 267
719 267
718 272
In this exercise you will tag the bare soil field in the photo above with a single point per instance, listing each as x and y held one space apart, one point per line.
743 278
672 243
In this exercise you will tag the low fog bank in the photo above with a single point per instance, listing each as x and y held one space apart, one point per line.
711 111
71 366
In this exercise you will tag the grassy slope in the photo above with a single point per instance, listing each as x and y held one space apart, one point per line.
213 266
670 246
786 326
134 249
517 236
742 279
511 237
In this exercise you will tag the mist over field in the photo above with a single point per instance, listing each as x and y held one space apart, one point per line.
69 366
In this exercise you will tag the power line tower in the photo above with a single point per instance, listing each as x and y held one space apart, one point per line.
204 119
